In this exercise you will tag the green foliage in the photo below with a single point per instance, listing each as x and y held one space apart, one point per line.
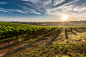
76 27
19 39
8 29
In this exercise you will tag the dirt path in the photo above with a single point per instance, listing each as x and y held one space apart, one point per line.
61 37
4 47
13 50
51 38
78 36
73 37
5 44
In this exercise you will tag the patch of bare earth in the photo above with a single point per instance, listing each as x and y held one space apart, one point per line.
41 42
80 37
14 44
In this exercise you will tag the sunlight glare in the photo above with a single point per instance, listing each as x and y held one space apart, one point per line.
64 18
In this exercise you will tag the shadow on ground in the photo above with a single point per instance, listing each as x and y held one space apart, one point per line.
81 31
53 39
26 46
73 33
66 33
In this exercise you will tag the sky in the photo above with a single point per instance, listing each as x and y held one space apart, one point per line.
42 10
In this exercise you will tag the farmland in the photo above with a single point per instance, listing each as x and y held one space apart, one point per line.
23 40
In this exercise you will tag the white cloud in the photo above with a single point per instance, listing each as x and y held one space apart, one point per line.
12 10
25 10
46 6
56 2
3 11
39 3
33 1
71 9
60 10
45 2
3 2
33 11
65 9
30 10
79 8
21 11
50 7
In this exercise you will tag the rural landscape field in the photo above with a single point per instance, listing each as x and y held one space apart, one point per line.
42 28
24 40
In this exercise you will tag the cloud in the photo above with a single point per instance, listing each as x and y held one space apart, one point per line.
4 2
39 5
33 11
71 8
50 7
56 2
63 9
21 11
79 8
11 10
30 10
3 11
33 1
24 9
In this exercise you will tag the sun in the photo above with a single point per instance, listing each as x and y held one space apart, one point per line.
64 18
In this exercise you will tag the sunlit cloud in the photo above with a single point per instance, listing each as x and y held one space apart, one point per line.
72 8
48 7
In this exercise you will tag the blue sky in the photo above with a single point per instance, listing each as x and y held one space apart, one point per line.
42 10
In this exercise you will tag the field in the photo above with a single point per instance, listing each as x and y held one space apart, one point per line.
23 40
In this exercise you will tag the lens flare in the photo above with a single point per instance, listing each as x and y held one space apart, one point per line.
64 18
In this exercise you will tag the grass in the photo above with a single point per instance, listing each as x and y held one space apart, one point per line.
65 47
69 49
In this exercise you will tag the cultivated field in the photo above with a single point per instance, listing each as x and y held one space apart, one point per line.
22 40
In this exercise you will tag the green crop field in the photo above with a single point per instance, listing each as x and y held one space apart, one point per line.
23 40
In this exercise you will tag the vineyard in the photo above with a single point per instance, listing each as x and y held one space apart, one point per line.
23 40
